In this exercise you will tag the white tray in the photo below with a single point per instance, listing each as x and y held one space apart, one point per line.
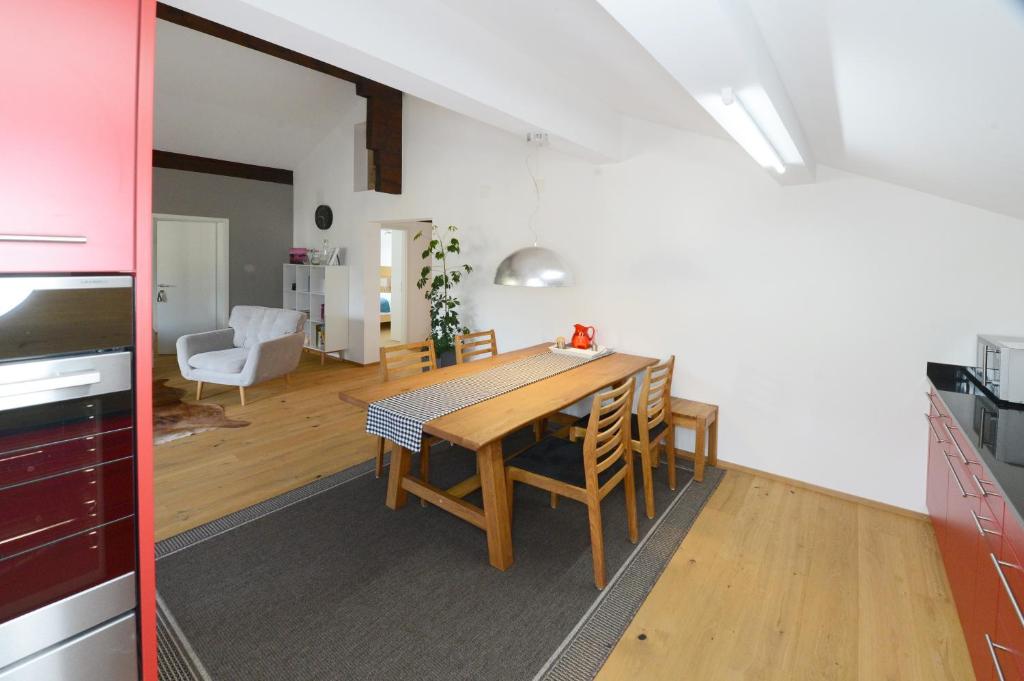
576 352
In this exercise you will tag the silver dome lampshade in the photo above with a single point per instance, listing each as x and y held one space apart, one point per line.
533 266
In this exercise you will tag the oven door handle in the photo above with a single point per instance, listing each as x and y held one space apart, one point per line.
74 379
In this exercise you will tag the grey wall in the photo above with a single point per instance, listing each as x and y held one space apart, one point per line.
259 224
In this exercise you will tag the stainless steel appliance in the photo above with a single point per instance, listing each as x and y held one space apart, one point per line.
67 479
1001 366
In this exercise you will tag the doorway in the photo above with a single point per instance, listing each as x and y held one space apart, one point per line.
190 291
404 314
393 290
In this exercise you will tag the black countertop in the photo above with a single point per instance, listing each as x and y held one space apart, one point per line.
994 428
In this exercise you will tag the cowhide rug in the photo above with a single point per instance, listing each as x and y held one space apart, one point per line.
174 419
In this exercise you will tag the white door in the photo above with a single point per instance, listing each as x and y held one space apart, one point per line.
191 278
399 286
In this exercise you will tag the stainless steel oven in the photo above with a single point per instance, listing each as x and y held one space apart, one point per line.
67 479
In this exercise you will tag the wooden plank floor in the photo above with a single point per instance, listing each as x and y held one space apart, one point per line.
296 435
773 582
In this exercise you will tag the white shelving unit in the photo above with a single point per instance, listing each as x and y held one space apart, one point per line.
321 291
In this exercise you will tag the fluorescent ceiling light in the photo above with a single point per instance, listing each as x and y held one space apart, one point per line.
739 123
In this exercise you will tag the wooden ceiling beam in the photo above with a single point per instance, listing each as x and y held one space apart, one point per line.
216 166
383 103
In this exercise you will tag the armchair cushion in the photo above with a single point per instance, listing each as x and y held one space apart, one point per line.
228 361
253 324
193 344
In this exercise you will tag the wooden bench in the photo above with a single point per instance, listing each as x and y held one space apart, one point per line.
703 418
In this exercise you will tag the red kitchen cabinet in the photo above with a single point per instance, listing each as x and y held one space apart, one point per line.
68 135
76 117
980 538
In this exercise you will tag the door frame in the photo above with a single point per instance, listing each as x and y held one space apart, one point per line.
221 292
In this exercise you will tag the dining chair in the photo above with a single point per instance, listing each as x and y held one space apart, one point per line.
399 361
588 470
475 345
652 426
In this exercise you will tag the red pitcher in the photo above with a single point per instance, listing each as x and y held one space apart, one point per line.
583 337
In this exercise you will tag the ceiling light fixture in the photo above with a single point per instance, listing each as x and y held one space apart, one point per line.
533 266
741 125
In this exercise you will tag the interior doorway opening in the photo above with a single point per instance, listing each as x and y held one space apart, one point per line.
403 312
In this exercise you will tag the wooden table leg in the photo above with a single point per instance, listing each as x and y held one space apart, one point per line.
540 427
401 462
699 450
496 511
713 443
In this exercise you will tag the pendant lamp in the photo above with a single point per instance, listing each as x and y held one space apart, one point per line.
533 266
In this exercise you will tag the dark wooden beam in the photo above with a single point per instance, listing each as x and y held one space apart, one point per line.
384 138
216 166
383 103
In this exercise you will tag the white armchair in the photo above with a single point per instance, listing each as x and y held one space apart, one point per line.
262 343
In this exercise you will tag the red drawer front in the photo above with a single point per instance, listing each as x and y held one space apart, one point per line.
993 505
39 512
38 462
936 403
982 623
938 485
963 475
960 551
55 571
1013 532
1009 633
59 421
996 653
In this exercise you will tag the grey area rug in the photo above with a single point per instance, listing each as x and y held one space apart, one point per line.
325 582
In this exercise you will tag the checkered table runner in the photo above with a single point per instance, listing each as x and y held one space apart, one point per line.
401 418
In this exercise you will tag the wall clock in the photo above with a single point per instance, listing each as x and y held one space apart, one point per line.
324 216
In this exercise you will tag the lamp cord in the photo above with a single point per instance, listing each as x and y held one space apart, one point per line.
536 192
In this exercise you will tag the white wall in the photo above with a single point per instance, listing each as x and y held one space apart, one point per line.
808 313
460 172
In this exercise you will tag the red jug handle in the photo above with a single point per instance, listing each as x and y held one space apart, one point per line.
592 332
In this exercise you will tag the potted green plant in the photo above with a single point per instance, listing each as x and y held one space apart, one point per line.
438 279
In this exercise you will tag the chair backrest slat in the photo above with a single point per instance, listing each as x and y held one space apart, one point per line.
398 361
470 345
655 396
608 435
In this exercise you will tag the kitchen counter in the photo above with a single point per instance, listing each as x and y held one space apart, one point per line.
995 429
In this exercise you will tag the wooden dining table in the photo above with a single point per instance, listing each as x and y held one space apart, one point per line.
481 427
